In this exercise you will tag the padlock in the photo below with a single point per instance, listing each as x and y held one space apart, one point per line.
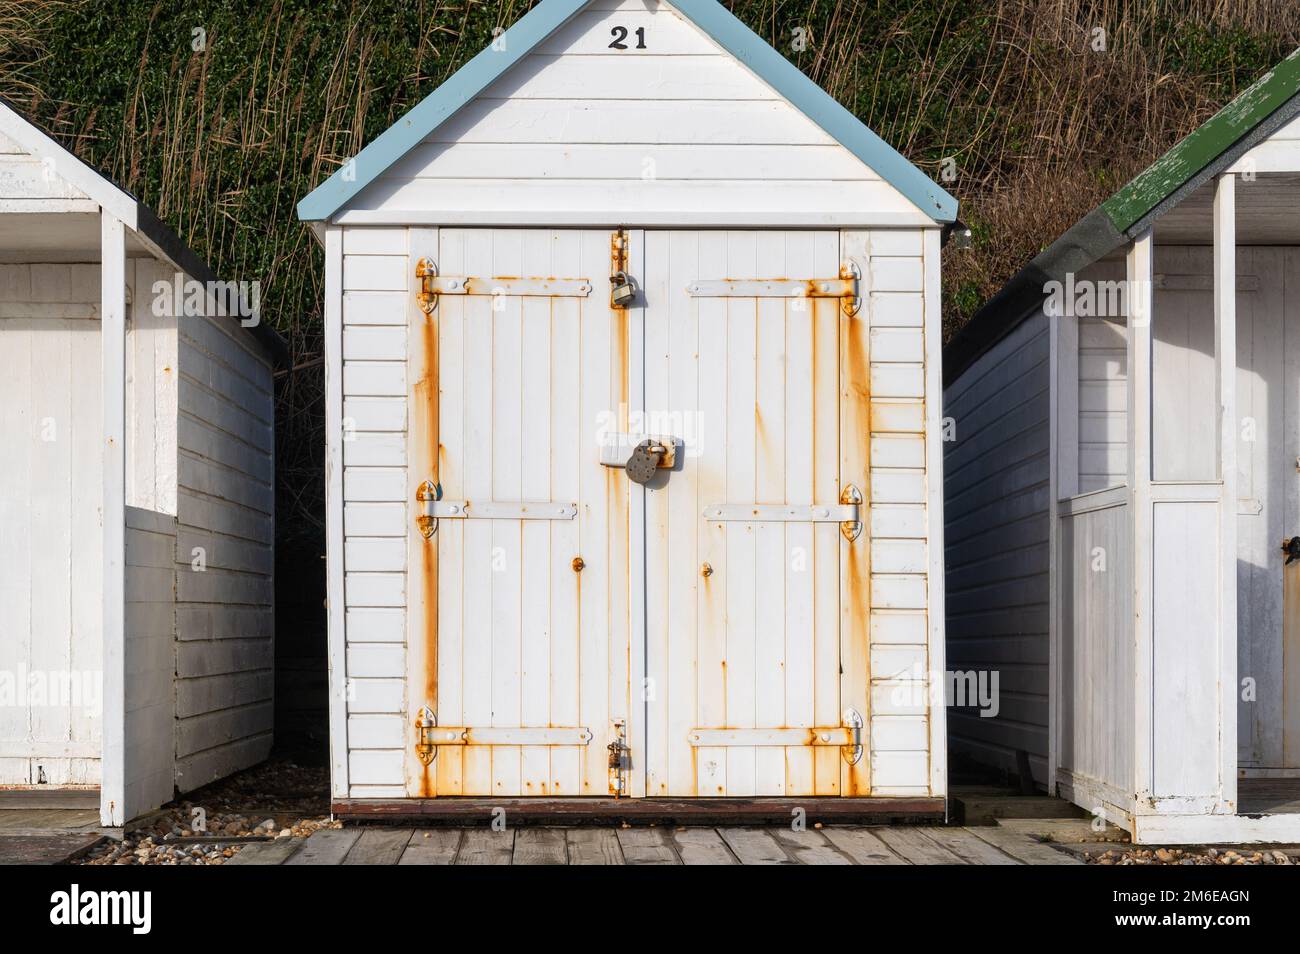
621 291
644 461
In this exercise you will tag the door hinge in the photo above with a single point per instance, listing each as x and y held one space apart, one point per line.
428 494
851 527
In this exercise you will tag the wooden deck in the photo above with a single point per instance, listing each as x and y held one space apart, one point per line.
1268 796
911 845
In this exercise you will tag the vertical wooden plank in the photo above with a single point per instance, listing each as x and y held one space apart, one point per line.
423 417
537 453
827 539
22 431
665 256
86 577
567 447
769 487
1140 275
336 635
598 487
112 791
628 525
682 574
478 571
742 318
451 533
507 484
711 640
1225 350
855 555
936 663
52 543
799 556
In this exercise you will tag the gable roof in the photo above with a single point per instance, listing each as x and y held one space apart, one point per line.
125 207
1255 114
542 21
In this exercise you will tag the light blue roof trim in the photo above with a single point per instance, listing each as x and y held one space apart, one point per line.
709 16
436 108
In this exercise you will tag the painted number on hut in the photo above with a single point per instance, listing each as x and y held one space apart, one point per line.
619 34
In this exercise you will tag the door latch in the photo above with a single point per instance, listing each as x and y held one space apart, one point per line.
850 496
1292 550
620 760
428 494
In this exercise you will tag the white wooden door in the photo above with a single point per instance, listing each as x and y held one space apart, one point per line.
755 625
518 607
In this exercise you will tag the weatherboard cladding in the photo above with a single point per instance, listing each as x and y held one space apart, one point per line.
533 29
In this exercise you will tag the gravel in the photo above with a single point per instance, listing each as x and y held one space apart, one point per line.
277 799
1191 856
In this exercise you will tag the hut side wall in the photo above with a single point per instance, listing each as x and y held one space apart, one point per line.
226 516
997 520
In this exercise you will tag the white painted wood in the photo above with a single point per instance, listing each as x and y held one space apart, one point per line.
678 133
112 785
334 514
1141 304
58 164
935 583
1226 355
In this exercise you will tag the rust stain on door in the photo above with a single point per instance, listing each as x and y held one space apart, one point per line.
426 459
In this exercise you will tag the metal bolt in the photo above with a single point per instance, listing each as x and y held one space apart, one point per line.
706 569
578 564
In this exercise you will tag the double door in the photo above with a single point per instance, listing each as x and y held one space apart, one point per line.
694 625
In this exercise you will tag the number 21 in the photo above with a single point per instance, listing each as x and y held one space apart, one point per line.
620 34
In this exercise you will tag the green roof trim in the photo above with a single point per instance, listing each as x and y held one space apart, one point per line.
331 196
1181 163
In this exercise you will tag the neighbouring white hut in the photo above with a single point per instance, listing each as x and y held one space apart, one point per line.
1123 495
633 221
136 497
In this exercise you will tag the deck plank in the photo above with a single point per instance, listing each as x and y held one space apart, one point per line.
646 846
915 847
267 852
754 846
482 846
862 846
593 846
809 847
435 846
540 846
1023 847
328 846
379 846
969 847
702 846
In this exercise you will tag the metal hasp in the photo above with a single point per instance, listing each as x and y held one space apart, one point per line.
845 288
616 449
621 289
